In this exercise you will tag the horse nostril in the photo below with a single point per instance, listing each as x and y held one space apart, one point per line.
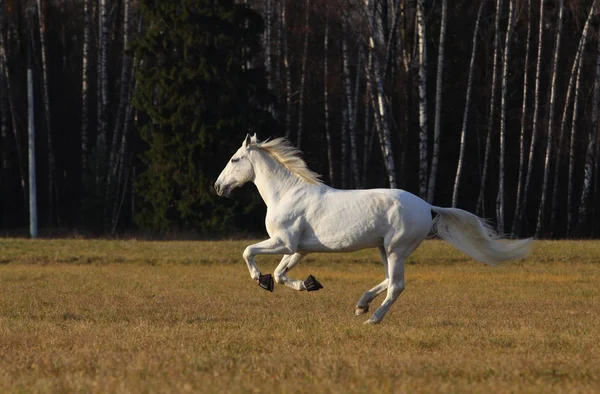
217 188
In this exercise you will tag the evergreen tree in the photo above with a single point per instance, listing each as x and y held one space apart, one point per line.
198 96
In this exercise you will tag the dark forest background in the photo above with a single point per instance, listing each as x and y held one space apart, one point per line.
138 105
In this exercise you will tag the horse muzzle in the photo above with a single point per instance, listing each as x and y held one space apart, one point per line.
221 190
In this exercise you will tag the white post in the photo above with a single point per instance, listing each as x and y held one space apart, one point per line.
33 225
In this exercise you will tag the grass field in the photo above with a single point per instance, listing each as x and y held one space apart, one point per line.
171 317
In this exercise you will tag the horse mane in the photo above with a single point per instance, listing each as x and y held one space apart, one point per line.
290 157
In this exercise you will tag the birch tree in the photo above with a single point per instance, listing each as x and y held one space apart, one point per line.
536 106
84 86
102 90
422 86
572 82
463 133
540 218
505 58
588 173
488 142
438 106
378 98
349 101
123 97
303 76
286 65
326 99
520 179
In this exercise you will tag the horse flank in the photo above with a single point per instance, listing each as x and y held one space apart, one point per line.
289 157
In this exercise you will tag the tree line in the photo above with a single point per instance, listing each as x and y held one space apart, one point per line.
490 106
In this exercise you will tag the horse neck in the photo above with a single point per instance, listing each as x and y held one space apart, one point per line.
272 179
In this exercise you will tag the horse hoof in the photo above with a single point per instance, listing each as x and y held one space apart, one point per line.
312 284
266 282
360 311
371 322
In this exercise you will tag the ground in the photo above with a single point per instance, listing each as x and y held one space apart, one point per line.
144 317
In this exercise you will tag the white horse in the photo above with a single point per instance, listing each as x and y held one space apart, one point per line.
304 216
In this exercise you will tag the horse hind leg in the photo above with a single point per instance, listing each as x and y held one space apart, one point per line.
394 288
362 306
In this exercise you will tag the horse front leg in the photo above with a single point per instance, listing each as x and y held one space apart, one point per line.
273 245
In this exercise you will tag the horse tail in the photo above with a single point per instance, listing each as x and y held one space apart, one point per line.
474 237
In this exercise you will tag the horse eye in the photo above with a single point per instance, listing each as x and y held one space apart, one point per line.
235 160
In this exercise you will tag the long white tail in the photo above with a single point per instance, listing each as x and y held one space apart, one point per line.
472 236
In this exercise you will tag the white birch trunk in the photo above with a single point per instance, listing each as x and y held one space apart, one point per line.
488 143
536 106
33 220
123 97
288 75
102 90
588 172
463 133
520 179
422 86
326 101
540 218
84 87
349 104
303 77
267 44
572 81
501 171
438 107
570 208
378 100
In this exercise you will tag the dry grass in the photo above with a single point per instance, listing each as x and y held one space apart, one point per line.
144 317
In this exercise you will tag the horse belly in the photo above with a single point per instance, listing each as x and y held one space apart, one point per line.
342 234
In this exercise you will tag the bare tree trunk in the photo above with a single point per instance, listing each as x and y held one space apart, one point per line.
588 173
422 85
463 133
303 76
101 141
123 97
570 203
52 188
520 180
326 99
367 140
84 87
488 143
506 56
536 106
540 219
438 106
267 44
574 75
349 104
288 75
378 100
3 135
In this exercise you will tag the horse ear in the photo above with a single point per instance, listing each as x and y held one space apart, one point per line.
254 139
247 141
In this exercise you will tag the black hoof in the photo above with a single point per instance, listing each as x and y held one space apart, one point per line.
312 284
266 282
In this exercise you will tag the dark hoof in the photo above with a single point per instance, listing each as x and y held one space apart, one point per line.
312 284
266 282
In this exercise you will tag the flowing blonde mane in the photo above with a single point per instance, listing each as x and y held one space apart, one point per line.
289 157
